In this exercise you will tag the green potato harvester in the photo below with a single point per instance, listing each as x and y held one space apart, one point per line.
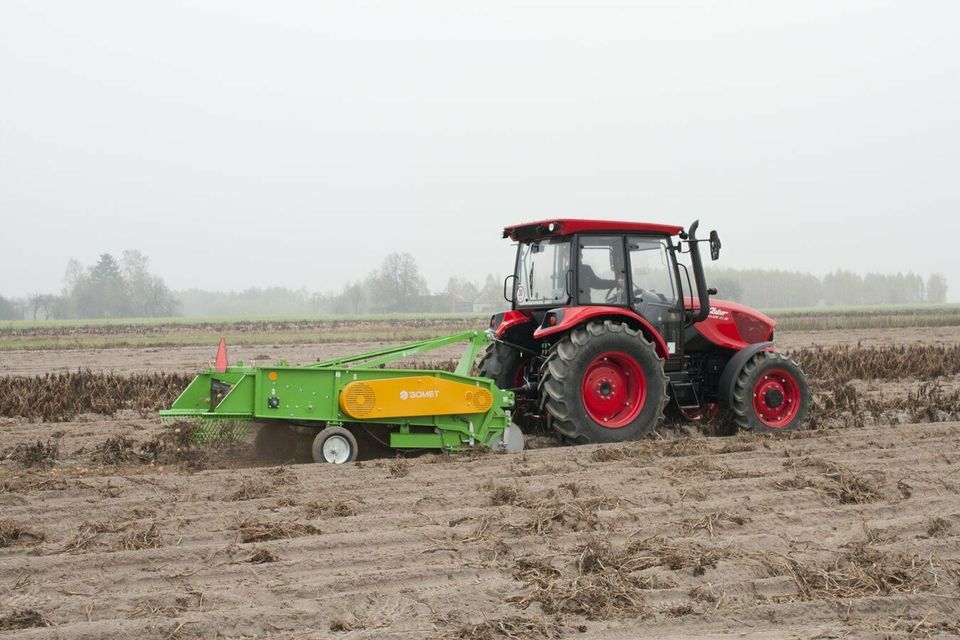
336 400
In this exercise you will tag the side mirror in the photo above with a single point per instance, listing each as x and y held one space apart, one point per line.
714 245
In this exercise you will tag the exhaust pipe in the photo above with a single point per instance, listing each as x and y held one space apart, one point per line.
698 276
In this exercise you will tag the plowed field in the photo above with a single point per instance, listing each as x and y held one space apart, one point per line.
110 527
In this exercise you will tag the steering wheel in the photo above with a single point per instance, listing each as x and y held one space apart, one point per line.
613 294
638 294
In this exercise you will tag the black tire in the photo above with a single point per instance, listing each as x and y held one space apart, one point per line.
563 386
500 363
765 400
343 438
504 365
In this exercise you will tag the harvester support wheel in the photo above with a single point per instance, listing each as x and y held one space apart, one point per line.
511 440
335 445
604 382
771 394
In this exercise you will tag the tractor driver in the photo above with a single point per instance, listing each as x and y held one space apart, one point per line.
600 289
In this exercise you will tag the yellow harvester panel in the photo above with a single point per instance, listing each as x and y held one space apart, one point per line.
413 396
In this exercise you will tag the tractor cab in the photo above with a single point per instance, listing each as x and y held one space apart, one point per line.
614 266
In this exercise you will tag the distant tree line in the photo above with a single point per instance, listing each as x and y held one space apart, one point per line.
772 289
107 289
396 286
113 288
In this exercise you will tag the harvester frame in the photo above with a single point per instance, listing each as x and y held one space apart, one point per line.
424 409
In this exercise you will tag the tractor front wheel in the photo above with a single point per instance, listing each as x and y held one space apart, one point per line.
771 394
604 382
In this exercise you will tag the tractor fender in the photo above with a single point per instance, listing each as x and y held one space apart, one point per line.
500 323
562 319
728 379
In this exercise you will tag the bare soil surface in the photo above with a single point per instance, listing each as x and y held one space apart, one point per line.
117 527
180 359
827 534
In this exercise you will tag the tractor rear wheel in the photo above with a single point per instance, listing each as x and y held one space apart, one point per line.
771 394
506 366
604 382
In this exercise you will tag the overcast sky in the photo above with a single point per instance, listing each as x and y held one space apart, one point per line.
272 143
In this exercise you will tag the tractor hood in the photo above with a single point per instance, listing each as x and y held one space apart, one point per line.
732 325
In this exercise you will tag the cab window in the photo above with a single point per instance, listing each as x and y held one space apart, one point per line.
601 275
651 271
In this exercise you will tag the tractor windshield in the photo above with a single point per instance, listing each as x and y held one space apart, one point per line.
542 273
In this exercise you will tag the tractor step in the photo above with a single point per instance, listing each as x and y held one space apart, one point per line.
685 393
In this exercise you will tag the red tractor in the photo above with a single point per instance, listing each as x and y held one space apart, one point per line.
606 328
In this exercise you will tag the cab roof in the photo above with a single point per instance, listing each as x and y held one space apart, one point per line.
567 226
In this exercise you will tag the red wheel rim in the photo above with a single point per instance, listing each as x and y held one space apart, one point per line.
776 398
613 390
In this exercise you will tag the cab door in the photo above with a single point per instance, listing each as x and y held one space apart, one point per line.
653 289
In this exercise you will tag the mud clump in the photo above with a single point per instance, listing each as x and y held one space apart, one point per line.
252 530
176 444
399 468
939 528
860 571
503 495
38 454
571 507
620 452
13 533
118 449
116 536
23 619
842 484
509 627
138 538
338 508
261 556
251 489
606 582
711 522
265 486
